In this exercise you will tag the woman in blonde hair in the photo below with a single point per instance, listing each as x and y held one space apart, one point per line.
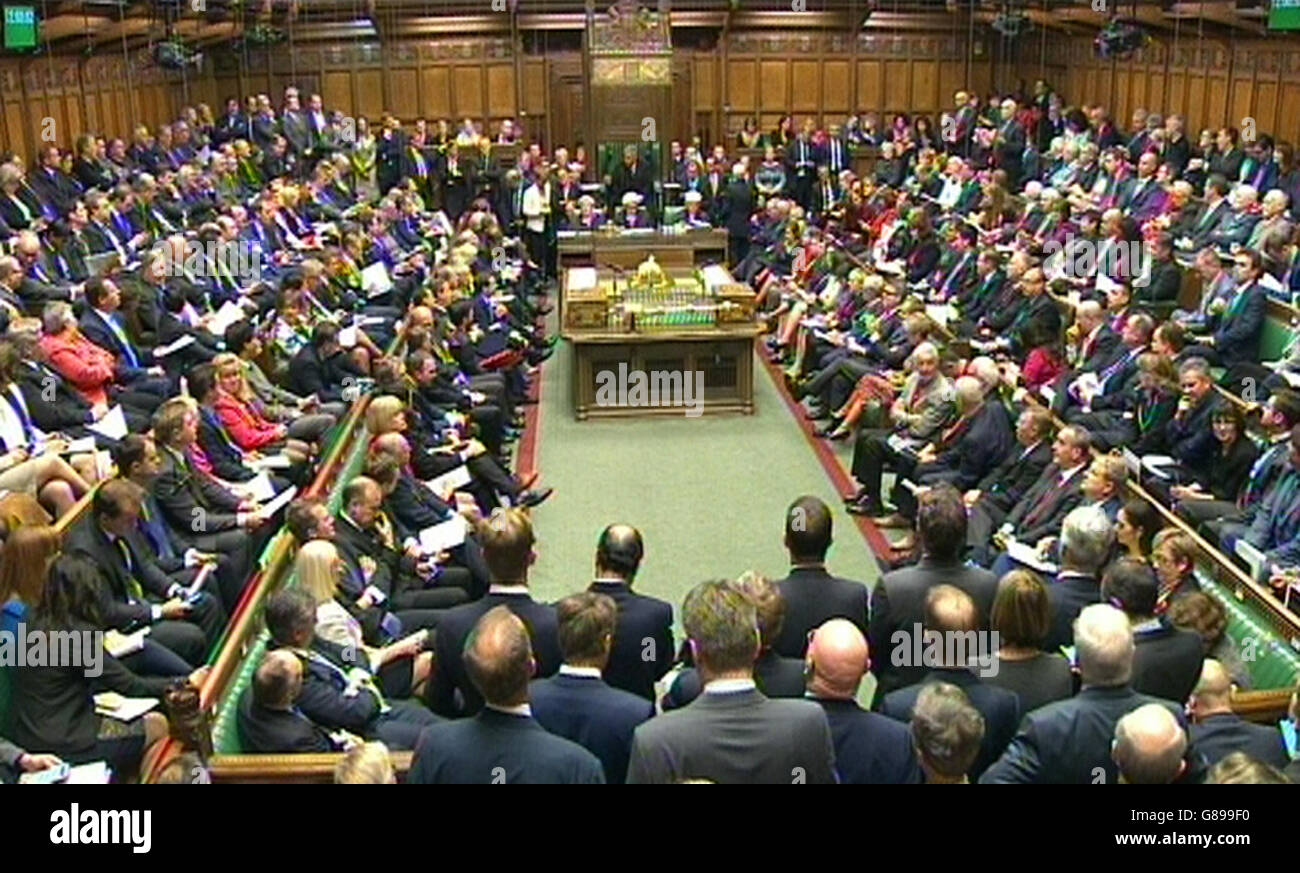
365 764
239 410
402 666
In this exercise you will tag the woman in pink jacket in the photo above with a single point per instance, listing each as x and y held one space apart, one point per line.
238 408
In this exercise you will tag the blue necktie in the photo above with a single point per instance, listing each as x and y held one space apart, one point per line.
127 351
155 531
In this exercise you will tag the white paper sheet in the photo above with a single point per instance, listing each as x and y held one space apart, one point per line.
447 535
112 425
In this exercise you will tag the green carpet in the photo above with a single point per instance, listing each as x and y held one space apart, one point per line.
708 494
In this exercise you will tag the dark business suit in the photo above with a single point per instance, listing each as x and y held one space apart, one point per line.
870 748
278 730
189 638
309 374
1000 708
1069 741
898 604
499 748
774 675
1167 662
1219 735
633 666
593 714
1067 596
332 699
812 597
1044 506
739 737
1001 489
449 646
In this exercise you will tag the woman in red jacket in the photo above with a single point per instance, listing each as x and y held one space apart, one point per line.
248 427
89 368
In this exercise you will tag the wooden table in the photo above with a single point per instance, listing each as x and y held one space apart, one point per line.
632 360
627 249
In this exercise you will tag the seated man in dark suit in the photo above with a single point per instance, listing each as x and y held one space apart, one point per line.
1167 660
576 703
503 743
633 666
507 541
268 721
1216 731
338 693
870 749
1087 537
997 493
188 626
947 733
322 368
731 733
811 594
1069 741
1059 489
898 601
952 615
774 675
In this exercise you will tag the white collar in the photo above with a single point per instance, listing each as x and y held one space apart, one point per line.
107 316
614 580
495 588
729 686
1066 474
580 672
522 709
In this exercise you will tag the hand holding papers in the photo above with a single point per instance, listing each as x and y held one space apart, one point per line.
112 425
448 482
172 347
375 280
447 535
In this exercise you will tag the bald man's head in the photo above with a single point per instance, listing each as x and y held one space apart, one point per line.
948 608
421 316
278 680
1212 692
1149 746
619 552
837 659
499 657
393 444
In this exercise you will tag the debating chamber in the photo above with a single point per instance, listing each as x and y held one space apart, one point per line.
887 392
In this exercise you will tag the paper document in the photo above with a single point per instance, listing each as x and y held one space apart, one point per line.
172 347
119 645
112 425
269 462
229 313
98 773
375 279
282 500
259 487
1155 463
348 337
1028 555
447 535
904 445
582 278
76 447
448 482
115 706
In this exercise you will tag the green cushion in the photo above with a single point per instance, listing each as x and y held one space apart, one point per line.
1273 338
1271 660
225 727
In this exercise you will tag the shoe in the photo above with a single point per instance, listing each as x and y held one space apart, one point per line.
839 435
534 498
526 482
815 412
859 495
863 506
893 519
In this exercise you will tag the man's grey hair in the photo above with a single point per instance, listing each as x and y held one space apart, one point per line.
1149 746
946 729
722 623
1086 538
1197 365
1103 641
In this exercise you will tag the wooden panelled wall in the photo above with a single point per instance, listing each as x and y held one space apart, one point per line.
765 74
85 94
452 79
830 76
1211 83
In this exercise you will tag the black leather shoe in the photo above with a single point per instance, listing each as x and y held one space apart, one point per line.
865 506
533 498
